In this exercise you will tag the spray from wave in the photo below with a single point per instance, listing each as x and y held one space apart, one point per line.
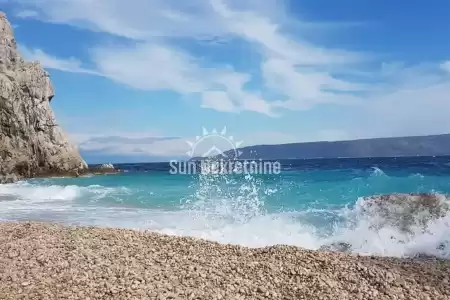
394 225
236 199
378 172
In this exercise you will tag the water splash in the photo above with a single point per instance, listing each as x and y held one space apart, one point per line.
378 172
235 197
396 226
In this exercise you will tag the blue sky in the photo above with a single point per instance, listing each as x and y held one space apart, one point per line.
137 79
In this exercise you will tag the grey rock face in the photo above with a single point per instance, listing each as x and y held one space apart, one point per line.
8 49
31 142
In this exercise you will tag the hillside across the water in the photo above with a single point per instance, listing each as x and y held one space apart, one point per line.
432 145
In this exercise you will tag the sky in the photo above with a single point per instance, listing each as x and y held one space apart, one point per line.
144 80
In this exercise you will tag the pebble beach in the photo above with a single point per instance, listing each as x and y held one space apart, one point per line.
49 261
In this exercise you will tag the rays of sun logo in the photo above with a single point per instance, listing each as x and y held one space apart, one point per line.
215 144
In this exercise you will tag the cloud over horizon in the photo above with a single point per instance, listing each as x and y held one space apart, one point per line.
155 46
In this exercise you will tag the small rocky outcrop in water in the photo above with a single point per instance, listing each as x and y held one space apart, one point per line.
31 142
405 211
107 167
104 169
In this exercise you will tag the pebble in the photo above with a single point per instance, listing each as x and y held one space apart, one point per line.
45 261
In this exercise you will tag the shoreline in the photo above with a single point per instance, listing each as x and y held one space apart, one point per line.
54 261
13 178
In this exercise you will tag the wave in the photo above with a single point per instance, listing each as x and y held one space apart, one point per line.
357 228
25 192
230 210
378 172
393 225
417 175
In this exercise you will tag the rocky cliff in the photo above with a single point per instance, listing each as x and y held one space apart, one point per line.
31 142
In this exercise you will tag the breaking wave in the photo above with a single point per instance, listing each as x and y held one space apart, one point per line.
244 211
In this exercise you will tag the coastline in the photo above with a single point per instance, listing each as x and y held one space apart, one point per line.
50 261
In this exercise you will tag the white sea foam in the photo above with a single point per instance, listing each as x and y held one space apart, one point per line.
36 193
417 175
28 196
377 172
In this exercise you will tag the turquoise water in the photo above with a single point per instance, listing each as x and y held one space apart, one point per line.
309 204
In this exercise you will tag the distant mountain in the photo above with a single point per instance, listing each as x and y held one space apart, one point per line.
432 145
101 157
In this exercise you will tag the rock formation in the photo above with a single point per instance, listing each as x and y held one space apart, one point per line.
405 211
107 167
103 169
31 142
409 214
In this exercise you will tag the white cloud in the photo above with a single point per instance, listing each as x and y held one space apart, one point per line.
155 63
217 100
173 70
236 99
51 62
410 111
285 59
305 89
156 66
27 14
135 19
150 67
115 145
302 73
260 29
446 66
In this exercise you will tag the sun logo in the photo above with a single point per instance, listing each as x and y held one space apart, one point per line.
215 144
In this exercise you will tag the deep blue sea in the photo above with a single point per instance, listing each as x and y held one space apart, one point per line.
311 203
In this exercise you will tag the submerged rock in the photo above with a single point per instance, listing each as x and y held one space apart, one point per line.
31 142
406 211
407 214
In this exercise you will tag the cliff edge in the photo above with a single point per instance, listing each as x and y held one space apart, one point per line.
31 142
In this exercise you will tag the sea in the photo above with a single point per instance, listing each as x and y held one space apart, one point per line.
309 203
